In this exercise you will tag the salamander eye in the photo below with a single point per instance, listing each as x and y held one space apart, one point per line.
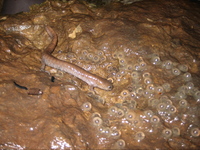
110 87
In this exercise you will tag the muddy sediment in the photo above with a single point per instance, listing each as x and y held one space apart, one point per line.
150 50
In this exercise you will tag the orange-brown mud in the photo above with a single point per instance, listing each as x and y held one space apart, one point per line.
149 49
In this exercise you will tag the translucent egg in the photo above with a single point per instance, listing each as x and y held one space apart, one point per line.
197 95
190 85
130 116
180 95
135 75
147 81
155 119
167 64
96 114
183 68
176 71
159 90
120 55
87 106
167 133
187 76
112 110
90 56
148 94
122 62
136 67
143 65
195 132
176 131
148 113
96 58
161 107
133 104
150 87
156 60
97 121
139 136
100 53
153 102
125 109
166 87
146 75
84 52
125 93
120 113
183 103
120 144
171 109
139 91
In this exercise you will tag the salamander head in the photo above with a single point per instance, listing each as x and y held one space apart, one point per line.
106 85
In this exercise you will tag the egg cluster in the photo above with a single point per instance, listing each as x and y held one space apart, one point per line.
147 99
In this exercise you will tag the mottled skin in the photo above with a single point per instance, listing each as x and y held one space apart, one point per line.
91 79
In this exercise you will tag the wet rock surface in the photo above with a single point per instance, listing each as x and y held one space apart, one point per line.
150 50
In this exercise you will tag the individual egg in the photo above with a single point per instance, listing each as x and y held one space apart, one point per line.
96 58
195 132
150 87
180 95
120 55
125 93
155 119
100 53
90 56
87 106
167 133
112 110
130 116
161 107
171 109
139 91
120 144
135 75
176 71
166 87
146 75
148 113
120 113
84 52
190 85
156 60
139 136
176 131
153 102
132 94
187 77
197 95
136 67
125 109
114 55
97 121
159 90
143 65
183 103
133 104
148 94
148 81
122 62
183 68
167 64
